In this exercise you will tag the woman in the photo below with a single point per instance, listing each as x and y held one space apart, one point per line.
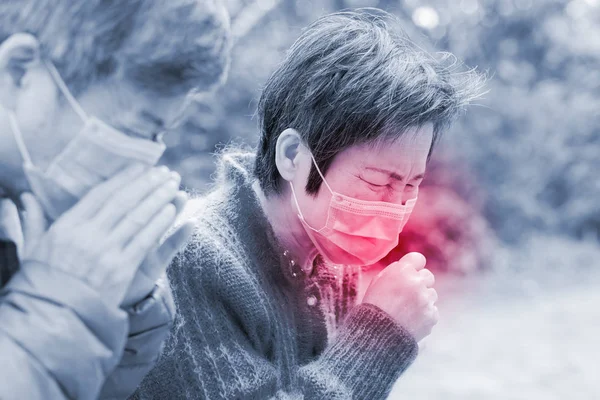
267 290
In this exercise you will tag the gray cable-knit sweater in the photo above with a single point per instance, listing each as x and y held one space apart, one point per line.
249 328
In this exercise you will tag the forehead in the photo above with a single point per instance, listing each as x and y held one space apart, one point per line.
410 150
125 105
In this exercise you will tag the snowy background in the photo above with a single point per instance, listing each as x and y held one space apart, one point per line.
509 217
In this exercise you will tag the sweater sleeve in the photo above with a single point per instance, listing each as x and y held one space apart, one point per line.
58 339
210 356
367 357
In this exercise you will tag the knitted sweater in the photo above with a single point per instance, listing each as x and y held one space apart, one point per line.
248 327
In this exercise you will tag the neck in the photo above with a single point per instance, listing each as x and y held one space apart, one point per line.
287 226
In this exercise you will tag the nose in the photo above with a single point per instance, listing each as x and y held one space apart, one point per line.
401 195
409 194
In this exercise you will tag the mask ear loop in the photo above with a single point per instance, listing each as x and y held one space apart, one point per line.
296 199
62 86
14 125
321 175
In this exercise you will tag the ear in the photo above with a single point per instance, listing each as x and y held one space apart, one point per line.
18 54
287 152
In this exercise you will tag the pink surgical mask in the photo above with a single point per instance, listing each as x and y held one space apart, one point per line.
357 232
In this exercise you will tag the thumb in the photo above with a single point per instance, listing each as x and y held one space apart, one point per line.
35 223
414 260
10 225
157 262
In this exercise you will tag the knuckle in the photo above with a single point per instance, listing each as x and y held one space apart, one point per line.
416 283
406 268
164 193
154 176
167 190
433 294
434 315
171 187
170 210
423 299
427 275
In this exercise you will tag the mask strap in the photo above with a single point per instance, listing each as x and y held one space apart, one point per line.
294 192
19 138
300 211
320 174
296 201
65 90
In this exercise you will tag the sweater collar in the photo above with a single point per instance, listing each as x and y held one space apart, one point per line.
245 214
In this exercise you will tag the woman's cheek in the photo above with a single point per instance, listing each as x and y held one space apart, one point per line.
316 210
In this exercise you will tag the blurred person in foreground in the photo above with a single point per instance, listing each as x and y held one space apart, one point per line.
86 89
266 289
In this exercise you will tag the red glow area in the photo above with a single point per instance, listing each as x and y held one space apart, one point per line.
447 230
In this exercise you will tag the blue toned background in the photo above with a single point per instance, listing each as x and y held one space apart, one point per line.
516 240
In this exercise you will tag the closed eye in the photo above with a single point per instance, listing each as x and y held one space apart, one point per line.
374 186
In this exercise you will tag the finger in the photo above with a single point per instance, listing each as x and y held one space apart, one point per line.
35 223
427 277
432 295
127 199
180 201
435 315
96 198
10 223
175 242
157 261
148 237
151 265
413 260
137 219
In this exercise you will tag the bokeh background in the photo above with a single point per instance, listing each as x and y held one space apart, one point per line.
509 215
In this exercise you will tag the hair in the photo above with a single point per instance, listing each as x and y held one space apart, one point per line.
167 47
354 77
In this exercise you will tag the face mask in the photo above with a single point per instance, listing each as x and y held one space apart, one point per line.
97 153
357 232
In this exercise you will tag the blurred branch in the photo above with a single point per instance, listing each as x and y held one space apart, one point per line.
250 16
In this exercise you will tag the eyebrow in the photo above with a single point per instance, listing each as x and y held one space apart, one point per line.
395 176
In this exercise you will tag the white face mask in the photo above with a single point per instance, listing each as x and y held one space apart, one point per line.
357 232
97 153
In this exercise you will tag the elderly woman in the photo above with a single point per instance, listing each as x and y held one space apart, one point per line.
267 290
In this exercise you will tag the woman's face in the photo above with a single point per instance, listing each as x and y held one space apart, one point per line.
390 171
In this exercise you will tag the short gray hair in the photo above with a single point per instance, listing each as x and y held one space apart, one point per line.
354 77
167 47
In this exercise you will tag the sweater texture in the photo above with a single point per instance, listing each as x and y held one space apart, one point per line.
251 326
